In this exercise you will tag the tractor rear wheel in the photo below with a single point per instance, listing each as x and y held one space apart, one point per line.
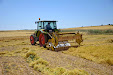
42 40
32 40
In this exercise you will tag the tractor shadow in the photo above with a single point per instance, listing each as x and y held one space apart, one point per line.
37 44
64 49
61 49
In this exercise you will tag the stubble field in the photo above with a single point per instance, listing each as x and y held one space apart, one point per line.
19 57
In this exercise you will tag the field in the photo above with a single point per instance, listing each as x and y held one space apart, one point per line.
93 57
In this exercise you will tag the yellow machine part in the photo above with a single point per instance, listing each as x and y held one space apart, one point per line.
78 38
55 40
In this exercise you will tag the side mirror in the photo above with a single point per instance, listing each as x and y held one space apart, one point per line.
35 22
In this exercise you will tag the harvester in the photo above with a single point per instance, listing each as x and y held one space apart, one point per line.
52 38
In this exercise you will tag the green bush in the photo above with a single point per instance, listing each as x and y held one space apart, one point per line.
100 31
109 31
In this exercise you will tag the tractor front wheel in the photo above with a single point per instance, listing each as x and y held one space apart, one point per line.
32 40
42 40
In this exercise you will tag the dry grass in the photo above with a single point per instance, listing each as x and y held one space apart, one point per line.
59 71
75 72
15 33
97 48
92 30
91 27
38 61
110 40
43 62
41 65
2 53
30 53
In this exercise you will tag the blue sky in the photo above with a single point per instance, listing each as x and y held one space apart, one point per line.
22 14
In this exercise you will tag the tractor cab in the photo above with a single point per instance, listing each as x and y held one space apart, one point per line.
47 25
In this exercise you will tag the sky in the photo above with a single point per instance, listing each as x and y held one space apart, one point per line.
22 14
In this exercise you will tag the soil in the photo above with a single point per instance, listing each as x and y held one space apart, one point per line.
17 65
60 59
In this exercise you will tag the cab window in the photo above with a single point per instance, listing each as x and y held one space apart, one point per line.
50 25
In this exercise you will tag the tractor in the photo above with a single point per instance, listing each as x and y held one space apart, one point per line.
52 38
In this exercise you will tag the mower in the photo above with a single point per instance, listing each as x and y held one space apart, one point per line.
52 38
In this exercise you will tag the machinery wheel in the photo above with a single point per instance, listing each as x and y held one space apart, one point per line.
32 40
42 40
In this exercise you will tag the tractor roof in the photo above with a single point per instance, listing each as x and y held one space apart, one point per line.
45 21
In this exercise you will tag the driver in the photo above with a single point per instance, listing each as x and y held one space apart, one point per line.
48 27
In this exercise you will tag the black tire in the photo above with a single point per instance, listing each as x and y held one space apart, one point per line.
32 40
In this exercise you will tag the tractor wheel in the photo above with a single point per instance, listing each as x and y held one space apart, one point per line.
32 40
42 40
